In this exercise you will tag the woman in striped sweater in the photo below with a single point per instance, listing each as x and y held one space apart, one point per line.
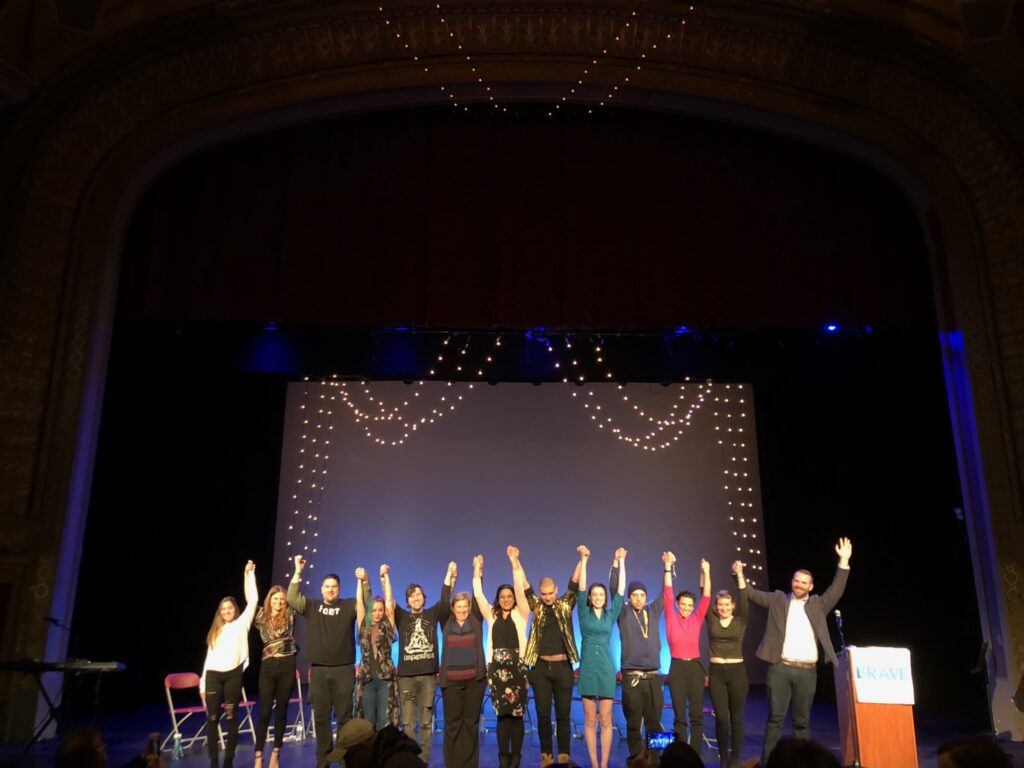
461 677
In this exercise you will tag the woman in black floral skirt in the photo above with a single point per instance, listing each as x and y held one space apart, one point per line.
506 674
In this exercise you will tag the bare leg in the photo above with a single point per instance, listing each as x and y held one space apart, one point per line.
606 730
590 729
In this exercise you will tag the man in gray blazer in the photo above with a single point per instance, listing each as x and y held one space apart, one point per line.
795 628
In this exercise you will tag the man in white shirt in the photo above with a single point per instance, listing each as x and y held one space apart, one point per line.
795 628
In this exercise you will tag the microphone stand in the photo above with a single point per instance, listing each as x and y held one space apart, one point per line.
851 700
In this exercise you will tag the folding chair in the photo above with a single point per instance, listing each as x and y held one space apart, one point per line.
245 705
296 730
182 681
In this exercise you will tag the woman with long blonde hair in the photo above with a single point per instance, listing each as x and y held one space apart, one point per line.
227 656
276 625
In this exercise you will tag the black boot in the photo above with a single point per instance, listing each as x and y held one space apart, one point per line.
503 760
513 760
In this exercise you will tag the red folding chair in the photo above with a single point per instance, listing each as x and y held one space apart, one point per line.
183 681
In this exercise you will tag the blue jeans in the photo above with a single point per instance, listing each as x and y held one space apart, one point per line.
788 685
375 701
418 703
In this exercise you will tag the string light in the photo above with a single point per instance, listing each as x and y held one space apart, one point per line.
627 30
316 413
731 412
474 68
394 424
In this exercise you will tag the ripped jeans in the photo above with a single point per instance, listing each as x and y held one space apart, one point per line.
222 688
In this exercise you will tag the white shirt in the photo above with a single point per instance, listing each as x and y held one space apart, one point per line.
799 644
231 648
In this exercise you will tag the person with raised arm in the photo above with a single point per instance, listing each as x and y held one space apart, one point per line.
727 678
331 650
506 646
596 682
376 682
794 630
227 656
275 621
686 673
643 692
550 653
462 677
417 656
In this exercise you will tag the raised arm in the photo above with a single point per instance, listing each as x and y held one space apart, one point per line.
576 574
484 607
363 589
360 603
519 582
581 568
835 590
700 612
444 605
389 594
389 598
742 605
252 597
620 564
296 599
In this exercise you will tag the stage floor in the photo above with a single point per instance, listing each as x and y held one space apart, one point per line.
126 735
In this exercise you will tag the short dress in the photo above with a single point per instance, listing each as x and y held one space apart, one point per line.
597 672
506 674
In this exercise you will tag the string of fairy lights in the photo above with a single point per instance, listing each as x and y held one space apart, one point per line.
624 42
393 29
317 423
732 417
575 89
583 365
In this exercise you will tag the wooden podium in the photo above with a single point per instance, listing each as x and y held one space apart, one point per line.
875 703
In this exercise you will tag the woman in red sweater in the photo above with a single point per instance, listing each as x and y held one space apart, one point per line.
686 674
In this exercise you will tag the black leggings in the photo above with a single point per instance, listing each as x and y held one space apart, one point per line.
277 681
686 684
510 735
729 687
226 688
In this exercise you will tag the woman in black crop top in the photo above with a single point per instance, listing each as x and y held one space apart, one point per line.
727 624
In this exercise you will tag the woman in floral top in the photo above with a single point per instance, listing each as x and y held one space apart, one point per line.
506 673
376 684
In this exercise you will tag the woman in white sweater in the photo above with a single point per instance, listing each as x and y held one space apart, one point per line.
505 647
227 655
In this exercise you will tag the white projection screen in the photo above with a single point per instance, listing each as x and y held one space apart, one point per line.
519 464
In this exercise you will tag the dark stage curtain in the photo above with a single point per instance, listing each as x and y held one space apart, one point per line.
463 220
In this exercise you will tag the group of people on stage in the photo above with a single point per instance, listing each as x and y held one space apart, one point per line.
530 642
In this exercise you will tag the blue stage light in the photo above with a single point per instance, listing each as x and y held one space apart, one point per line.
831 327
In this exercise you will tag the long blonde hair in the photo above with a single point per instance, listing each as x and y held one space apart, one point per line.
218 622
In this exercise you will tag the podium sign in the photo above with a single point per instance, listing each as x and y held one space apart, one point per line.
874 699
882 676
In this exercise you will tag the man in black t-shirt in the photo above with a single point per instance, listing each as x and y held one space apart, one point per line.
417 656
330 625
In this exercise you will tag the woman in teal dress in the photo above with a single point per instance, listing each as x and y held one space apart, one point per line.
597 672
